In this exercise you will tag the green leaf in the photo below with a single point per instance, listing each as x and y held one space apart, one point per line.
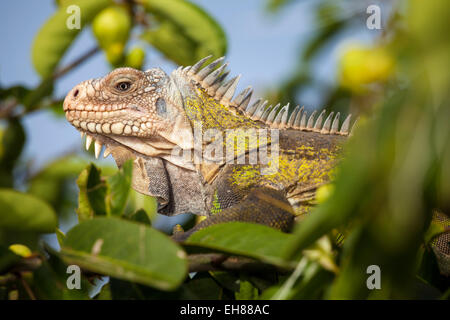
93 190
60 236
247 239
184 28
276 5
33 100
201 287
17 92
55 37
12 142
137 201
168 39
56 106
127 251
51 183
7 259
119 188
246 291
24 212
50 281
141 216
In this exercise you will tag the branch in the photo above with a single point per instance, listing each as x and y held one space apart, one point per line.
75 63
221 262
6 108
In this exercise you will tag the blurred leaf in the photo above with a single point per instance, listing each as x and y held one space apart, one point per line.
127 251
314 283
91 199
18 92
51 183
56 106
50 281
169 40
433 230
137 201
20 250
227 280
141 216
184 27
24 212
276 5
333 26
119 188
7 259
247 239
12 142
55 37
308 281
428 270
33 100
60 236
105 292
323 254
201 287
246 291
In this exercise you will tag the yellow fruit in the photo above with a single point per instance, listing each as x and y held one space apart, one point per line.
114 53
363 65
20 250
111 28
135 58
324 192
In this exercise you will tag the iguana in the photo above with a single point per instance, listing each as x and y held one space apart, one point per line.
165 122
177 128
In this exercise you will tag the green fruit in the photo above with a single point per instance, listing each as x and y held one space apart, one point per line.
111 28
135 58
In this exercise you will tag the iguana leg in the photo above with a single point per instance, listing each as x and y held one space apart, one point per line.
262 205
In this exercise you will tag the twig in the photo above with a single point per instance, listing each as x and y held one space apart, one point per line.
27 288
220 262
7 107
75 63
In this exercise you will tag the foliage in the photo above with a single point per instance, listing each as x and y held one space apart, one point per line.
379 210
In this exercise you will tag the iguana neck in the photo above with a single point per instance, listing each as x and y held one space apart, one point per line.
204 111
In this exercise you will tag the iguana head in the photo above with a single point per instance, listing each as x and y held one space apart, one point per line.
137 110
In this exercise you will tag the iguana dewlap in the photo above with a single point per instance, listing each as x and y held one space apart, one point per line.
199 150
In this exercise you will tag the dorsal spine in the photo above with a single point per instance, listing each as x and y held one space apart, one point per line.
212 78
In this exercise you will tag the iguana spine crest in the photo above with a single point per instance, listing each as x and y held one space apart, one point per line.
211 78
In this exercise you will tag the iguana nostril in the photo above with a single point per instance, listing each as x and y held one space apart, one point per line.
75 93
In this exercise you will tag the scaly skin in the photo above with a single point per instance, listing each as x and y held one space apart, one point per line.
150 117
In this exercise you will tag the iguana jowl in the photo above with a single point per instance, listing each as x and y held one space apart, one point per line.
146 116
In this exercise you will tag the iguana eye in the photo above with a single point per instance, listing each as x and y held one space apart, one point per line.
123 86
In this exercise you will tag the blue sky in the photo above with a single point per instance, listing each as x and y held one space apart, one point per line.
262 47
